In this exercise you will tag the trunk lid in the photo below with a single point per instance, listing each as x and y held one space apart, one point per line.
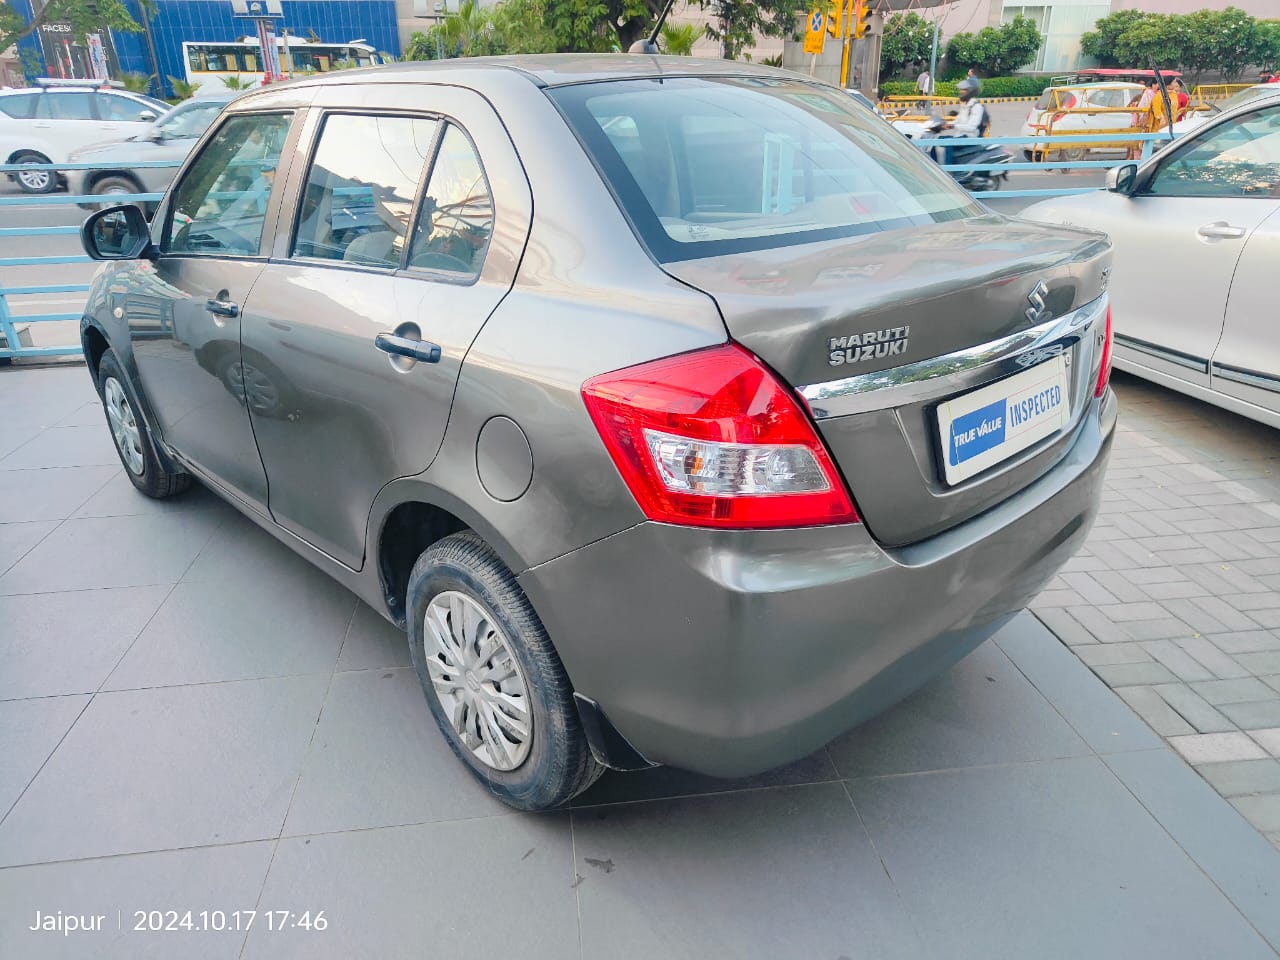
824 315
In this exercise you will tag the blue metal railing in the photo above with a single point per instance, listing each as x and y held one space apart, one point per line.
11 322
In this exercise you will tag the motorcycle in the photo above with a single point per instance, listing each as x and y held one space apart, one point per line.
977 181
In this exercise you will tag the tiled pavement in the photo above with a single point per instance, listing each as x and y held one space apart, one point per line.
191 718
1175 602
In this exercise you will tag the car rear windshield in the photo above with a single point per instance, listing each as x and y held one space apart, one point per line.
710 166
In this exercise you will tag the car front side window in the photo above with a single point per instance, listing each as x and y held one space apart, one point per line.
359 195
1238 158
120 109
220 207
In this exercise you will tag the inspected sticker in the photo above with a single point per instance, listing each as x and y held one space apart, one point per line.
982 428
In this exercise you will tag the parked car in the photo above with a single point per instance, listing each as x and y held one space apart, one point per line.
47 123
1197 235
680 412
1050 114
171 137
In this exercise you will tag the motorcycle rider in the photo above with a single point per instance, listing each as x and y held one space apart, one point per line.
971 120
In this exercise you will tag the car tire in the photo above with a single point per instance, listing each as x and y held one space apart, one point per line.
460 583
35 181
114 185
131 436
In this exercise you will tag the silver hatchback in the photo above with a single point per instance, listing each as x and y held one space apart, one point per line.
680 411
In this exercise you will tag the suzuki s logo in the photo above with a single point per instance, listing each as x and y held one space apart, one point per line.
1036 312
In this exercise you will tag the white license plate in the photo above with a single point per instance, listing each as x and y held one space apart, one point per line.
982 428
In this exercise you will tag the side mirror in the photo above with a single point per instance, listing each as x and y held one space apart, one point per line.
147 116
1122 179
156 135
117 233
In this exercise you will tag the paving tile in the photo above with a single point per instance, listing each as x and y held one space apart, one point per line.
1093 712
17 539
224 878
1125 612
1217 662
1098 654
1154 709
373 641
52 494
119 498
1254 715
284 626
1230 852
1169 628
1217 747
1065 627
449 890
1246 641
239 552
1262 811
86 415
1267 618
29 731
1273 682
658 879
1232 691
1249 602
1102 628
1237 778
1089 588
1193 709
65 447
961 719
111 552
1196 617
378 760
60 643
1053 842
1180 663
1269 739
166 768
1134 674
1259 664
1224 613
1176 590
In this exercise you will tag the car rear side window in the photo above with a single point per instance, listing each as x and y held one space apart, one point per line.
121 109
221 204
18 105
456 220
358 201
704 166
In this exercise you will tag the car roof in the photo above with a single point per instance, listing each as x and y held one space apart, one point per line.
552 69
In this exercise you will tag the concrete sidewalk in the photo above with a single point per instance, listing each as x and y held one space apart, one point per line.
164 748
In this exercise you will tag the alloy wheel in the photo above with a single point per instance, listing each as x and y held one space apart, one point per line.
35 180
124 426
478 681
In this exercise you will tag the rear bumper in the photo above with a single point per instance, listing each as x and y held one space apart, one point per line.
731 652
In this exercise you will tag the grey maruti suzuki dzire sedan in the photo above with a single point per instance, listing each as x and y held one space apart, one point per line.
681 411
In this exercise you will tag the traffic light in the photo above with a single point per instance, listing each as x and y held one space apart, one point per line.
861 18
835 17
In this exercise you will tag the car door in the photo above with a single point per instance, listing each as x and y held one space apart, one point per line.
65 121
410 218
1178 241
184 308
1246 364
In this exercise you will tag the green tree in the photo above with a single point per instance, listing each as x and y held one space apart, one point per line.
183 90
679 40
85 17
136 82
1156 40
1222 40
735 24
1100 43
466 28
1267 50
237 82
908 39
997 52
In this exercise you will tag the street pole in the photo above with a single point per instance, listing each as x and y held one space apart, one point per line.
933 56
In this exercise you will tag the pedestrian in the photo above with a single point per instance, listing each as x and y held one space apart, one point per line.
973 76
1179 89
924 82
1142 118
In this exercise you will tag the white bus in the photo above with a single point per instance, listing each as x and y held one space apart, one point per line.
208 63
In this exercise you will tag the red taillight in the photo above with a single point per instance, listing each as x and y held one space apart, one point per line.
1104 372
712 439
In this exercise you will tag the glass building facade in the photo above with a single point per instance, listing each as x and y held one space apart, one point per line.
158 49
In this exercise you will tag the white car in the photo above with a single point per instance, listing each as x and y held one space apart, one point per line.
1051 112
45 124
1196 230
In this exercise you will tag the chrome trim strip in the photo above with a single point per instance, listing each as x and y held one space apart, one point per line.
940 376
1261 381
1160 353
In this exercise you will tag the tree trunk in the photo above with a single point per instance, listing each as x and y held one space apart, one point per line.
629 31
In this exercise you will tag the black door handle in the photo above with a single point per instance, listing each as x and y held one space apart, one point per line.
222 308
422 350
